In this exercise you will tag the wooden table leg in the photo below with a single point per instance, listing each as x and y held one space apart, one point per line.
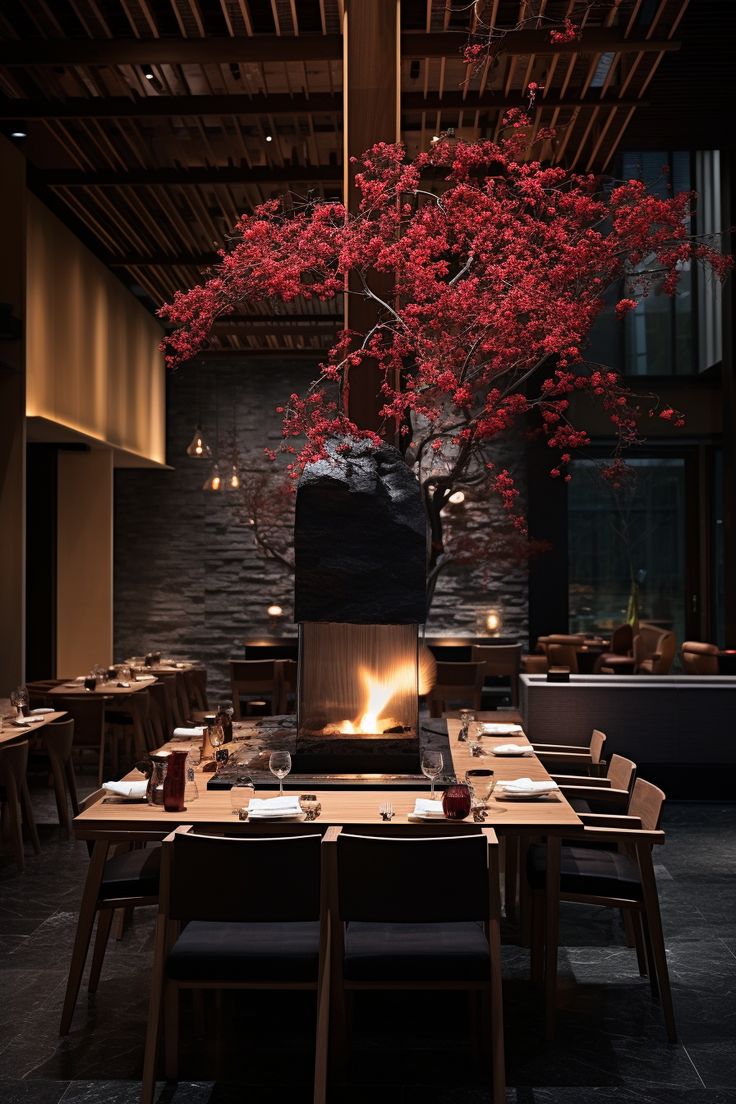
86 921
552 932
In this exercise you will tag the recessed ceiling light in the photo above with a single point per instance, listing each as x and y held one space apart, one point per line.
148 72
269 138
16 132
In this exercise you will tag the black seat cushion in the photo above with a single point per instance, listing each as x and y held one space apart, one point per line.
589 871
580 805
416 952
210 950
132 873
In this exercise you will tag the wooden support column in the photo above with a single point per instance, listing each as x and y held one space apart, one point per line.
12 418
372 113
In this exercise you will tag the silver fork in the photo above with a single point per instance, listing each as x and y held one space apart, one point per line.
386 811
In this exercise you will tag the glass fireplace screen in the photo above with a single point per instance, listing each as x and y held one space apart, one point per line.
357 679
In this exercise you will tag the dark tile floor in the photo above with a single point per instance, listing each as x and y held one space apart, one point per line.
611 1045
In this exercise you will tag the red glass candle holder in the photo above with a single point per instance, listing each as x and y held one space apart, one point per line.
456 802
175 782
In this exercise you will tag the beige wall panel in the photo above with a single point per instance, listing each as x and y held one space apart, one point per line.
93 362
84 581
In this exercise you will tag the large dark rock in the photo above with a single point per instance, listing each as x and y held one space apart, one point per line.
360 539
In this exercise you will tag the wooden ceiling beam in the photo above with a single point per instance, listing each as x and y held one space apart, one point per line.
285 48
225 174
118 107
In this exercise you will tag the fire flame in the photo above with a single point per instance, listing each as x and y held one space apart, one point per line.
378 695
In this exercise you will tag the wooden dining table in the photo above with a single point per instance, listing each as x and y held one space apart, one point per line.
110 688
111 821
11 732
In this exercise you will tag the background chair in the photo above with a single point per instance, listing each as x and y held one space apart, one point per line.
500 661
620 657
195 681
456 682
586 759
254 679
562 650
392 928
287 678
654 650
272 936
16 800
88 714
57 741
699 659
618 875
609 793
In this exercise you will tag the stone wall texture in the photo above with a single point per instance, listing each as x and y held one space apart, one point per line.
189 579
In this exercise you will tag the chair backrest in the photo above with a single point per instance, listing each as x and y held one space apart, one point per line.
699 658
622 639
597 740
195 680
499 660
410 880
158 713
461 675
563 655
88 714
621 772
58 737
646 803
666 648
223 878
573 639
254 676
13 764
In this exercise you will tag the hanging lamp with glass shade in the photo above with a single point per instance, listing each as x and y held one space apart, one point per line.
233 479
214 483
198 446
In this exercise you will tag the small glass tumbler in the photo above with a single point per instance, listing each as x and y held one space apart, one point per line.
240 795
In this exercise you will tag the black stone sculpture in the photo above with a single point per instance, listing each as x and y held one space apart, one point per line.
360 539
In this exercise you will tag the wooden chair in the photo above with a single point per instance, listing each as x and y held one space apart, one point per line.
17 809
587 760
127 721
274 936
254 678
501 661
88 713
57 739
391 928
287 677
620 658
562 650
618 875
654 650
698 658
157 732
127 876
608 793
456 682
195 680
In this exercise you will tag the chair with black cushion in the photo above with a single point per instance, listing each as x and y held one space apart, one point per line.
15 799
88 712
502 661
255 679
586 760
57 740
456 682
392 928
619 874
237 913
608 793
127 872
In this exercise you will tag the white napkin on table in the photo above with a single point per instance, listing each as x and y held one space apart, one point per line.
513 749
40 711
424 807
196 732
24 722
274 806
527 786
126 789
144 678
494 729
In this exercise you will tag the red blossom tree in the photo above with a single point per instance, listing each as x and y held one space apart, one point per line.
500 266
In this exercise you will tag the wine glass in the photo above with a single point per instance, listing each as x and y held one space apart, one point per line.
19 699
482 783
279 765
432 764
217 738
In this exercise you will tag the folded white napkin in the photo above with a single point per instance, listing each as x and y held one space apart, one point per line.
528 786
512 749
40 711
274 806
424 807
197 731
126 789
495 729
144 678
25 721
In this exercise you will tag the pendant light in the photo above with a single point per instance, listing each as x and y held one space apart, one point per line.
214 483
198 446
232 479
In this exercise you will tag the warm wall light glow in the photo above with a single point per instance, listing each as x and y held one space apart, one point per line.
274 611
198 447
493 621
456 498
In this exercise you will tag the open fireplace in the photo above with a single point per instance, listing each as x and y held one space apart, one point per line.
360 546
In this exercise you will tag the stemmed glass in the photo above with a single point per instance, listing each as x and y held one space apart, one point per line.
19 700
432 764
279 765
217 738
482 784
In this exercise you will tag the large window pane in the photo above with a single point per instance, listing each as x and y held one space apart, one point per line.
616 536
